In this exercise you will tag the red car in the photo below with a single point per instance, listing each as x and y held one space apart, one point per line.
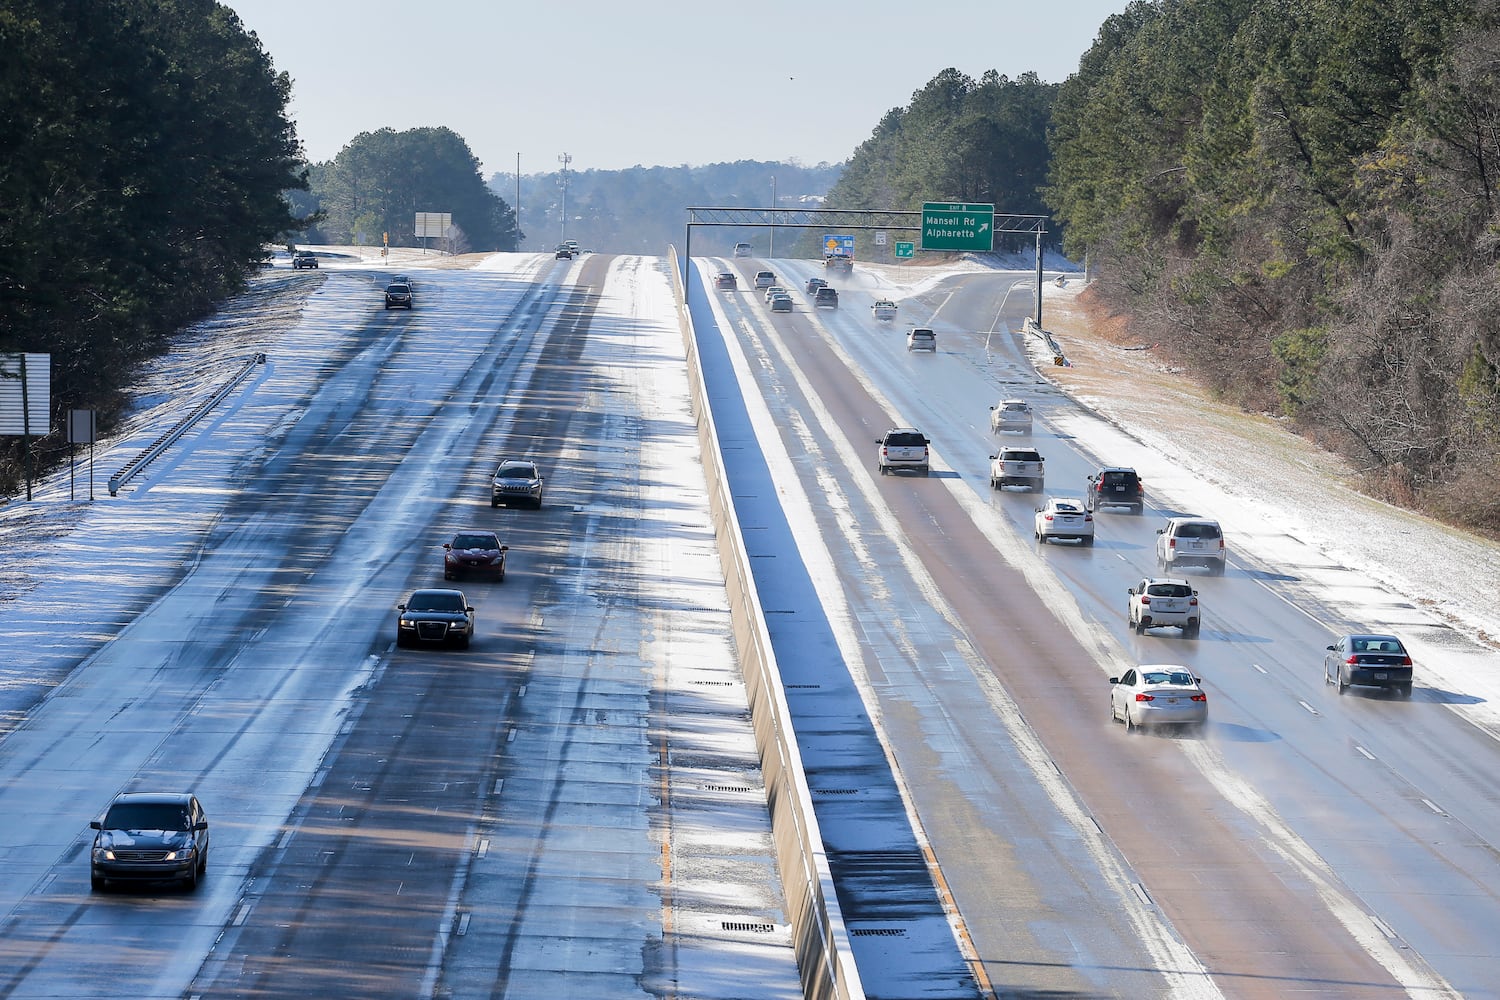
474 553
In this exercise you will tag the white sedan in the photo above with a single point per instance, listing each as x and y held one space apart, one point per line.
1158 694
1064 518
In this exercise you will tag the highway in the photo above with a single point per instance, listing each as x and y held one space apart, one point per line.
575 806
1307 843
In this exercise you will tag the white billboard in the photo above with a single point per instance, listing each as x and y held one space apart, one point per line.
25 393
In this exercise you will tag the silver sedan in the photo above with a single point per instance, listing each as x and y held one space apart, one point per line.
1158 694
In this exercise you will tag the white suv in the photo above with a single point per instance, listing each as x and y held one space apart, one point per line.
1189 540
902 448
1161 602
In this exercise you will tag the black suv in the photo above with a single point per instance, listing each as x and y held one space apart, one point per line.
304 258
150 837
1113 486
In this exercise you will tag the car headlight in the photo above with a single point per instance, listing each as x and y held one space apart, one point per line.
408 623
182 853
103 854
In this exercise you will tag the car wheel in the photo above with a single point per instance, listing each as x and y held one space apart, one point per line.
1131 726
1218 569
191 882
1037 486
1190 631
1343 687
494 502
1406 690
463 642
400 641
97 884
501 577
1089 541
1140 626
447 575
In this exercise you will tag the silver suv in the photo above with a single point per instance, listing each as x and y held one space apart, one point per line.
1187 541
903 448
517 481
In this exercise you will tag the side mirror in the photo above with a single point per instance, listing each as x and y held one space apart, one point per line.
96 825
202 824
1114 680
993 457
400 607
469 610
448 545
1131 591
1161 531
1331 649
505 548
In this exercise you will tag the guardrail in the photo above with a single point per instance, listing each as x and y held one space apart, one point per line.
824 955
1059 359
133 467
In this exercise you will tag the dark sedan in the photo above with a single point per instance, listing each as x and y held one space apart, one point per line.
435 618
150 837
1379 661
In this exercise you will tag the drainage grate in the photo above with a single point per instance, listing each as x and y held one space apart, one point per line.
715 683
729 925
726 788
835 791
877 932
802 687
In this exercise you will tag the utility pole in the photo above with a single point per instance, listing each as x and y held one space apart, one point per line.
565 159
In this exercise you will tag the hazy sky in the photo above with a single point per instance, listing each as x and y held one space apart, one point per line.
614 84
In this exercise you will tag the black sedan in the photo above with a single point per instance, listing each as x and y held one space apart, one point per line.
1379 661
435 618
474 553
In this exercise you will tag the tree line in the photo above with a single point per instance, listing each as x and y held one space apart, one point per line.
1297 200
144 150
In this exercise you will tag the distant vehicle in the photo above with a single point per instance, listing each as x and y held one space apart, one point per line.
474 553
1114 486
826 297
903 448
726 280
1368 661
1010 415
401 279
1160 603
921 339
781 303
435 618
883 310
771 291
765 279
398 296
1188 540
304 258
517 481
742 250
813 284
1158 694
839 264
1017 467
150 837
563 253
1063 518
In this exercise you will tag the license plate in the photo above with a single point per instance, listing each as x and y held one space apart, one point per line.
1171 701
1382 677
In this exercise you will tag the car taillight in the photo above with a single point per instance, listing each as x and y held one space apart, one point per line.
1046 517
1353 660
1200 696
1145 599
1406 661
1145 697
1171 543
1192 602
1088 517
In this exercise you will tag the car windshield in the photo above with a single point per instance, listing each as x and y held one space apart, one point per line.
905 440
516 472
476 542
146 816
1191 530
1066 508
1179 677
436 600
1119 478
1377 645
1170 590
398 289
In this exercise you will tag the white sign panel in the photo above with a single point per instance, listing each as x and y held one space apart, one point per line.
30 417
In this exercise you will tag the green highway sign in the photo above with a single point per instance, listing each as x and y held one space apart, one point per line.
958 227
905 249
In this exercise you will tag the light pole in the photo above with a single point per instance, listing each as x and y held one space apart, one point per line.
772 251
564 159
